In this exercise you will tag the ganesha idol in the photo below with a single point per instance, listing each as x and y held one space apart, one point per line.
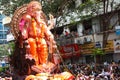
34 35
34 44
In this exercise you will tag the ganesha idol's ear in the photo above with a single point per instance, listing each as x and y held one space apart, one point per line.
23 20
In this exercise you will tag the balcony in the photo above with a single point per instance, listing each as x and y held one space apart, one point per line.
74 39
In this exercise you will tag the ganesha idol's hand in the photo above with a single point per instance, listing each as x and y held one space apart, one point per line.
24 34
52 23
51 16
54 45
29 56
54 48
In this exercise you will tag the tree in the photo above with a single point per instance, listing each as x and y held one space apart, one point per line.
9 6
56 7
4 51
97 52
59 8
11 46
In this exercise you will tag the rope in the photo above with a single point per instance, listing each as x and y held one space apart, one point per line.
57 51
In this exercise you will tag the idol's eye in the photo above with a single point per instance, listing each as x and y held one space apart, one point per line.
37 9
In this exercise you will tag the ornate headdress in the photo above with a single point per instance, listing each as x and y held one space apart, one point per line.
16 19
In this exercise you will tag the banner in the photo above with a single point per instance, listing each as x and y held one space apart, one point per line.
109 46
98 44
117 30
10 37
6 20
70 50
87 48
116 46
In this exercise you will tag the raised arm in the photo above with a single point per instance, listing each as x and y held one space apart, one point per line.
52 24
51 17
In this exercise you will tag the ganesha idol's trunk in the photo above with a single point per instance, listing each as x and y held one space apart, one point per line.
34 27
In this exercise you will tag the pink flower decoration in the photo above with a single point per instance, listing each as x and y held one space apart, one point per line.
21 24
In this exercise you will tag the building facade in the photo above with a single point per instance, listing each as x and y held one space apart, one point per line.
3 30
88 35
82 38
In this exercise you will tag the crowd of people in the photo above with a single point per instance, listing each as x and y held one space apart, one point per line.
94 71
106 71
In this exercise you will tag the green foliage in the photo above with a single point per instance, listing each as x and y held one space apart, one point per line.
9 6
4 49
89 6
52 6
11 46
97 51
3 69
58 7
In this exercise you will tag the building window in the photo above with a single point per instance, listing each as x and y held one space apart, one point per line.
1 36
1 26
73 31
73 28
87 24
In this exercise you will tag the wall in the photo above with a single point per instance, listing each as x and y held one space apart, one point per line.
99 37
116 57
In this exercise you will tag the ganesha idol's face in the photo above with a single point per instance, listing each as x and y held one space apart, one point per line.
35 10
